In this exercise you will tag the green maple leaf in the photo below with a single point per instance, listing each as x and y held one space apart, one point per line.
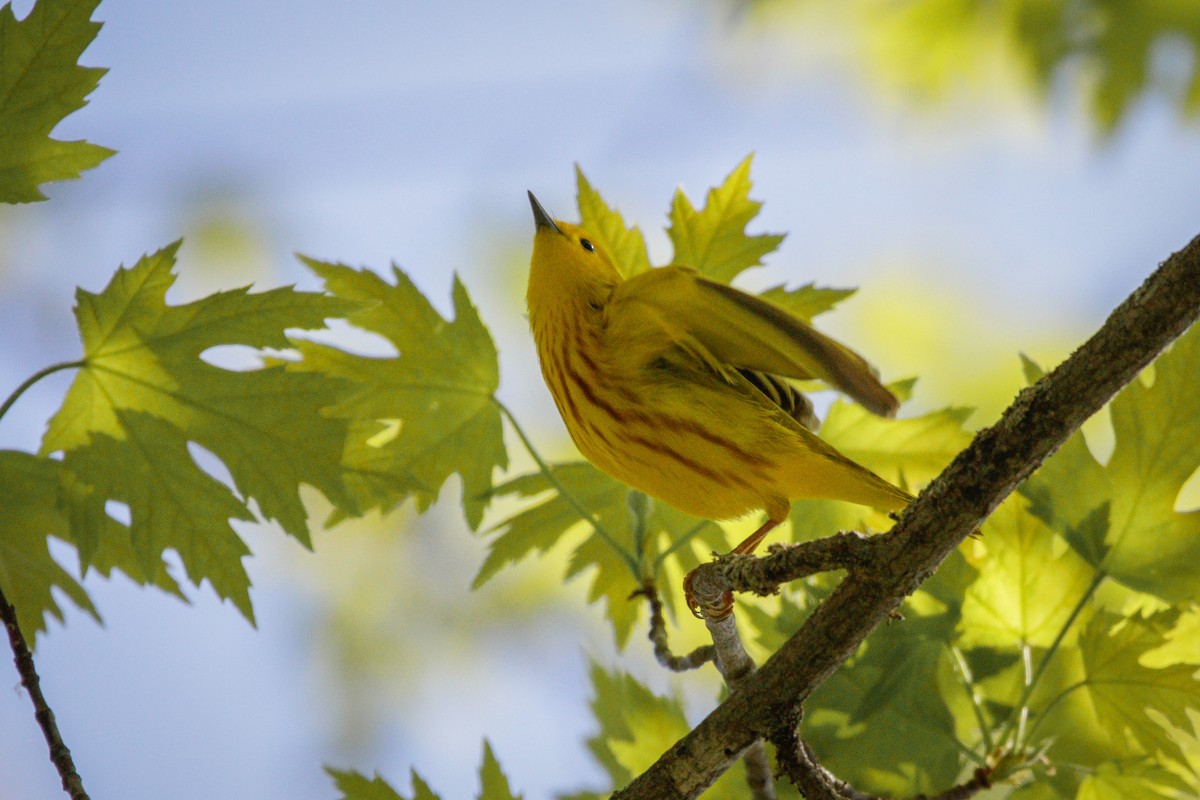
493 782
41 497
619 551
144 392
1028 583
1121 516
636 727
425 414
909 452
625 246
1096 696
865 719
806 301
40 83
172 503
30 508
713 240
1141 781
355 786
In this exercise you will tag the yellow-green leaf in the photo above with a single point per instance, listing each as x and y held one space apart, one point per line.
1029 582
40 84
1096 696
713 240
866 721
422 415
145 392
355 786
806 301
493 781
1137 781
909 452
625 246
1146 544
173 505
619 553
30 497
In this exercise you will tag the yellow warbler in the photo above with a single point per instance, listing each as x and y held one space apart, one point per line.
673 384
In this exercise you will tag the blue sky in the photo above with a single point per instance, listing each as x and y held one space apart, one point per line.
374 132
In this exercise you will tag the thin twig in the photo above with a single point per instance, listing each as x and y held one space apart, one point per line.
817 783
658 636
60 756
736 666
736 572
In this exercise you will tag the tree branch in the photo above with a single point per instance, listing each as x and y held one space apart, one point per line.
59 754
764 575
1000 457
658 636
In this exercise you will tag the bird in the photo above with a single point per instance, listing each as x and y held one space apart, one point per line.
676 385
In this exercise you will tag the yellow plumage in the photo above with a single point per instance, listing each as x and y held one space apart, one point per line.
671 383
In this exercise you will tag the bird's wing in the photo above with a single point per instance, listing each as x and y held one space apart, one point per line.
745 332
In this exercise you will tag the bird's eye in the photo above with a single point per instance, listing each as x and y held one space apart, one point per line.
587 245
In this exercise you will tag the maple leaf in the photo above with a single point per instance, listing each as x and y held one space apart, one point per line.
40 83
909 452
625 246
806 301
421 416
713 240
1095 696
355 786
637 726
29 510
1121 516
493 782
1028 584
144 392
619 552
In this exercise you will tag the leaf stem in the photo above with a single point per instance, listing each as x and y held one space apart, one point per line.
1044 662
968 682
34 378
60 756
583 513
678 543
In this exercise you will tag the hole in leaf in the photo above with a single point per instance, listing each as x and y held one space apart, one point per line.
233 357
118 511
209 462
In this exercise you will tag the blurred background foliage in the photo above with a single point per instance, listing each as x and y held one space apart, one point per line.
1111 53
893 138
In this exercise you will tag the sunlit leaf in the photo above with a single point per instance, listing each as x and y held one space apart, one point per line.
806 301
40 84
636 727
422 415
618 558
713 240
1142 781
145 392
625 245
1146 544
879 722
1095 698
1028 583
909 452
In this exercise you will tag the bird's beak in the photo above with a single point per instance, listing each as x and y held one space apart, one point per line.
540 218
